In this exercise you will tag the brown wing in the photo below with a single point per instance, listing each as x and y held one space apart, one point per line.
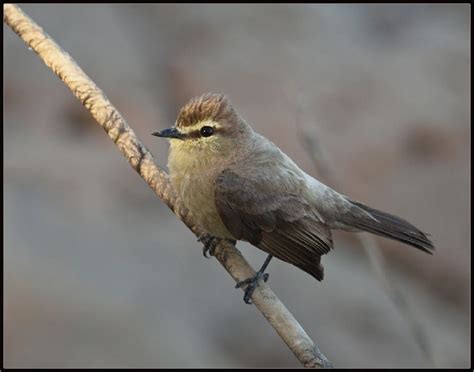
271 214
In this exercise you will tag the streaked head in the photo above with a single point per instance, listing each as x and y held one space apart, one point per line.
206 123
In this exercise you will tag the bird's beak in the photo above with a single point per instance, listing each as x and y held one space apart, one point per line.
169 133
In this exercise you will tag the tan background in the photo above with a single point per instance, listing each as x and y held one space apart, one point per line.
99 273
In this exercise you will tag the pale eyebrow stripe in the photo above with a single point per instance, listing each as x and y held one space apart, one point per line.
199 125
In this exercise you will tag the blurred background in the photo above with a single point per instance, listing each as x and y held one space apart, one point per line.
99 273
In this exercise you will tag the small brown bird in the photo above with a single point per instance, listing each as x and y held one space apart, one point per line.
240 186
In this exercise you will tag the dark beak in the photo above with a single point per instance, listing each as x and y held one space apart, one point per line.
169 133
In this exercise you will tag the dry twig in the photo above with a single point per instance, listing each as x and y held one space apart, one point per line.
141 160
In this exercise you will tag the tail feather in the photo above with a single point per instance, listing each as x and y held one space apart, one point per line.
392 227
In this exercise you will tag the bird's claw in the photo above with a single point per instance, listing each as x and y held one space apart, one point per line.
210 242
251 283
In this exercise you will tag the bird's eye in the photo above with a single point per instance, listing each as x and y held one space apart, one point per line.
207 131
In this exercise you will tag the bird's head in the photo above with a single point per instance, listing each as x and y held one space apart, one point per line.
206 125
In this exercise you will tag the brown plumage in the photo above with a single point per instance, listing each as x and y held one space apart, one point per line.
238 185
280 223
210 106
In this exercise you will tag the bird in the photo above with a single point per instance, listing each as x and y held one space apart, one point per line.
238 185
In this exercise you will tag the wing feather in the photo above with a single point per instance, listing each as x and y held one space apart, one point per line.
274 217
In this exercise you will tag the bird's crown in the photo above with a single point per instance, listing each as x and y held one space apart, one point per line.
207 107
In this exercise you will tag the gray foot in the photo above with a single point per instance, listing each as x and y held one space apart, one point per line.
210 242
251 283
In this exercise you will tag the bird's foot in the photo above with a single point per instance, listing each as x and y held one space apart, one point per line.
210 242
252 283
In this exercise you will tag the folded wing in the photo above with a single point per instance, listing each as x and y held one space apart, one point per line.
271 213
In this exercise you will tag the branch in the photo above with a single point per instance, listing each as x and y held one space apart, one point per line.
107 116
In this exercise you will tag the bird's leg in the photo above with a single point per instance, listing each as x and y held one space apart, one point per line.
210 242
253 281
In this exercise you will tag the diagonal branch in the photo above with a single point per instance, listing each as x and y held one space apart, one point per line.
141 160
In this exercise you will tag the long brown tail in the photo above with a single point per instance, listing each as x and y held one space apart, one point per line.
392 227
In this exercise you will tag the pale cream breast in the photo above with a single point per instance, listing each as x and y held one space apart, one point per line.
193 178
